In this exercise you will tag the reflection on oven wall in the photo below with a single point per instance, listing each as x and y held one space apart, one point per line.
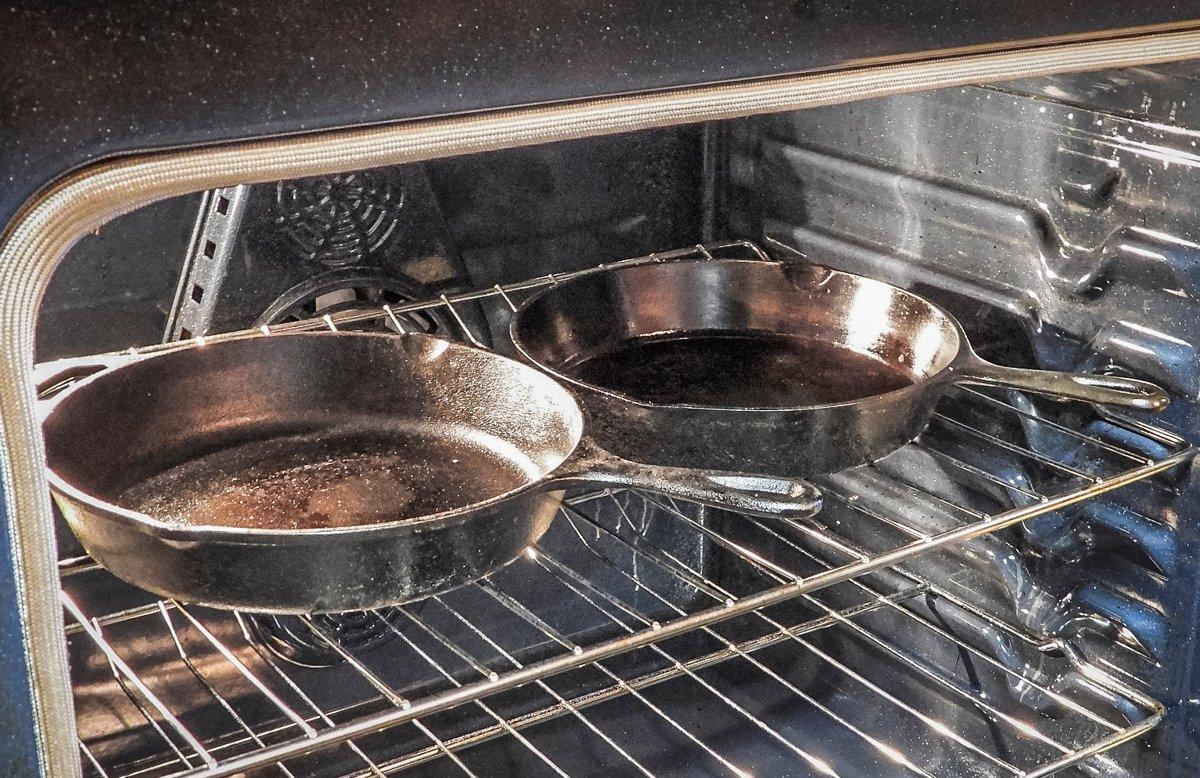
1057 216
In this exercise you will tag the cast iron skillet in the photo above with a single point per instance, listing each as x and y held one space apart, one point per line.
316 472
777 368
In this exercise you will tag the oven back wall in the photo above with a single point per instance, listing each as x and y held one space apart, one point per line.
509 215
568 206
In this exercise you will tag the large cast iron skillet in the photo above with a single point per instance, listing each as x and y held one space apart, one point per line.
781 368
320 472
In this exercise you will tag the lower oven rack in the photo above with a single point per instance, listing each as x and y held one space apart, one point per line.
497 660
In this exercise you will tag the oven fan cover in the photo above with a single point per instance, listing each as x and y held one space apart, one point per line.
338 220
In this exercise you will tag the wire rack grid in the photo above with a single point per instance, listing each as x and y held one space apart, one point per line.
504 660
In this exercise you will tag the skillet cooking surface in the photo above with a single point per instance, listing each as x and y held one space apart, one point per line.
334 478
738 369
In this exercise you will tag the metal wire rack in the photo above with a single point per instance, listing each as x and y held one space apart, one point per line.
641 632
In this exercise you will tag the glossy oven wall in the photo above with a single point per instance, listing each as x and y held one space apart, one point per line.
1057 216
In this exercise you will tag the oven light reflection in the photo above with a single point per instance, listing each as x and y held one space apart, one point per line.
925 347
1026 728
940 727
892 753
868 313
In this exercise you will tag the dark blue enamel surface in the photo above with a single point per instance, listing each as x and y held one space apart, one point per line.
82 81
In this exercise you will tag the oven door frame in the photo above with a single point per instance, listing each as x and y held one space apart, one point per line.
34 679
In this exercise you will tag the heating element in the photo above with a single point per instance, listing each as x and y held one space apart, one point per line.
648 634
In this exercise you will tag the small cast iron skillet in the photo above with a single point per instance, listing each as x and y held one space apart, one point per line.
787 369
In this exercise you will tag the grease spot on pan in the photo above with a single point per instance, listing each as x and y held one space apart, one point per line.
332 480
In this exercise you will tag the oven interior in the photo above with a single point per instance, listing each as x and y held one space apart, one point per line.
1054 217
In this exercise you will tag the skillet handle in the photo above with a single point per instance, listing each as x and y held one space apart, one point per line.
767 496
1103 389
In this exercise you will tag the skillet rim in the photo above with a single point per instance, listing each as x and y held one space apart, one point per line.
257 535
931 382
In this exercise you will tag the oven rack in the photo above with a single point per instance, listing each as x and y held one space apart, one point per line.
812 572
